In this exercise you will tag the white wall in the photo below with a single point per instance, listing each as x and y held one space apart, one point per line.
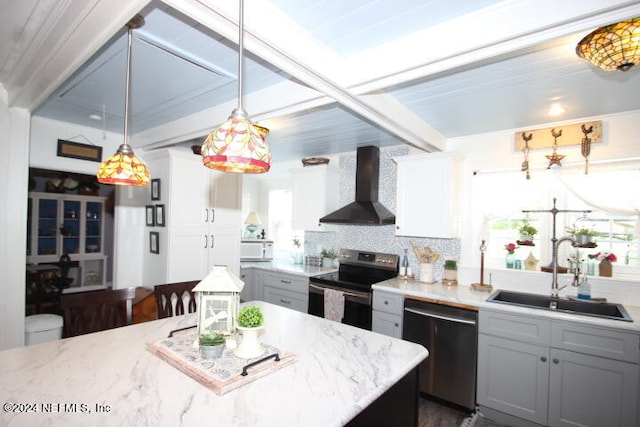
495 151
14 162
44 145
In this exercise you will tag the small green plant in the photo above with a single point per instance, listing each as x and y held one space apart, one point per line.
584 232
450 264
250 317
528 230
328 253
211 339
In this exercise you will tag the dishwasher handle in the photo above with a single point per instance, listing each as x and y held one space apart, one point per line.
439 316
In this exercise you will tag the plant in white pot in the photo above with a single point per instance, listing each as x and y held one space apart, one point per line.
211 345
584 236
328 255
450 272
250 322
527 232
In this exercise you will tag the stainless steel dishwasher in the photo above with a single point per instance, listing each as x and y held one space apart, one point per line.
451 336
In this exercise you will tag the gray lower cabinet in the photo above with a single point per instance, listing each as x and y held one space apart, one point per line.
246 275
286 290
556 373
386 315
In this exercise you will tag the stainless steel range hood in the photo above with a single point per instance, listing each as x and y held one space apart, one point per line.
366 209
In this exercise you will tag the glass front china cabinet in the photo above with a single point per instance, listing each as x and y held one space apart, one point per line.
60 224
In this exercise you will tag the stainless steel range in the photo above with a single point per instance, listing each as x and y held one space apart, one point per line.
358 270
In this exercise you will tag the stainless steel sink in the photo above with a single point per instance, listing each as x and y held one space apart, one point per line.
603 310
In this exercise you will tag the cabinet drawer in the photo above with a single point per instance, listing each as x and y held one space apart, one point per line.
287 281
388 302
387 324
614 344
517 327
285 298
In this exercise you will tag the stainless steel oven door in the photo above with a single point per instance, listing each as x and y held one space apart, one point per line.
357 304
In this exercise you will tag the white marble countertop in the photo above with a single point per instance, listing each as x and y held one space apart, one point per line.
465 295
340 370
285 267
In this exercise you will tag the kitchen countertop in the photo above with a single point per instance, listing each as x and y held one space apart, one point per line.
340 370
464 295
285 267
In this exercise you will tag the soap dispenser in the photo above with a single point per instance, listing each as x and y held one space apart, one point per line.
404 264
584 289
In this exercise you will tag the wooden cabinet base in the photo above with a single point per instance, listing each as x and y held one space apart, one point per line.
398 406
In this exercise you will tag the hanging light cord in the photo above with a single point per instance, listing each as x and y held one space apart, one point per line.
240 55
127 88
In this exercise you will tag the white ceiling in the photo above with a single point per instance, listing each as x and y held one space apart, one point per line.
325 76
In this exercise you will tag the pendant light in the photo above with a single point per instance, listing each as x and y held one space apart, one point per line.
124 168
614 47
237 146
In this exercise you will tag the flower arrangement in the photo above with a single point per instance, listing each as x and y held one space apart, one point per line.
510 248
601 256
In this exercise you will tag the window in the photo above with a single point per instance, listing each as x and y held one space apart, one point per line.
502 196
280 207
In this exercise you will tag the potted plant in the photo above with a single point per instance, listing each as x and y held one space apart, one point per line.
450 270
527 232
584 236
328 255
250 321
211 345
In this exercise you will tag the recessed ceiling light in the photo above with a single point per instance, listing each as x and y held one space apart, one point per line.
96 117
556 109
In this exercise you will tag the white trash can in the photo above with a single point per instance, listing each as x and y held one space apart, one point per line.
41 328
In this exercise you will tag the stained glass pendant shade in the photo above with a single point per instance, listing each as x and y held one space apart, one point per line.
613 47
237 145
124 168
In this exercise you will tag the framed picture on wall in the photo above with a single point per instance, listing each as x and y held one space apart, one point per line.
154 242
160 215
155 189
150 215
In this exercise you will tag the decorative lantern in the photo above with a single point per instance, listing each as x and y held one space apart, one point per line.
218 297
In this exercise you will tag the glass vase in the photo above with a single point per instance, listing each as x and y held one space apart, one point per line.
511 260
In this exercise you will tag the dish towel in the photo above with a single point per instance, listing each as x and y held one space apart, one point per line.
333 305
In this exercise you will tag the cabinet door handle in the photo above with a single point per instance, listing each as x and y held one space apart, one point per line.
396 324
556 361
206 215
285 301
544 359
212 242
386 302
397 227
285 281
205 241
213 215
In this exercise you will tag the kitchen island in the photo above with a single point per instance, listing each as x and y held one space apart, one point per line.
109 378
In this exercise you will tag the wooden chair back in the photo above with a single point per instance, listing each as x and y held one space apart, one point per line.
175 299
94 311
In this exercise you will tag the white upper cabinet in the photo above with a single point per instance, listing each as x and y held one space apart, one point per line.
203 224
427 203
315 194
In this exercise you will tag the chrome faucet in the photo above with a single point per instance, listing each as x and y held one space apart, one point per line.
555 289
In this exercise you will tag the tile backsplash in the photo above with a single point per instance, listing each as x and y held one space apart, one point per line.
376 238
